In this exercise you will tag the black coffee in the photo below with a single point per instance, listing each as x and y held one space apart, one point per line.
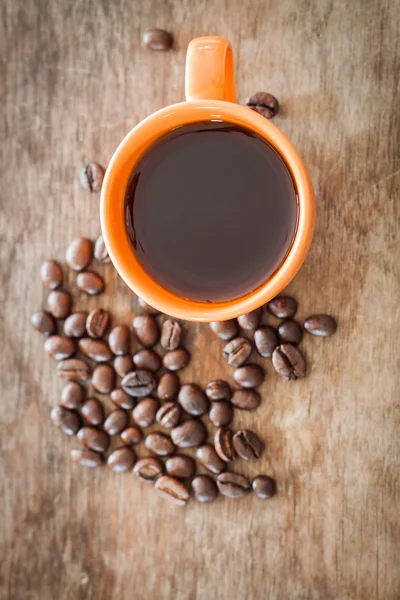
211 210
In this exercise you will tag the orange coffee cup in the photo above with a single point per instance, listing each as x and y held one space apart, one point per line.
210 94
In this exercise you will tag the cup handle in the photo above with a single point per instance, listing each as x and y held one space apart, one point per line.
209 70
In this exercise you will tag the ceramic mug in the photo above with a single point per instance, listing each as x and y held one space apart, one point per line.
210 94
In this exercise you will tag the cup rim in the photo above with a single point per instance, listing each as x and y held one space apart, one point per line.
112 209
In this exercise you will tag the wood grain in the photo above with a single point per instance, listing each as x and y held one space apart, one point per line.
74 80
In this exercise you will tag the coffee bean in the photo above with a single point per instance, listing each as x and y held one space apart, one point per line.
173 489
100 251
175 360
95 349
138 383
94 439
79 254
146 329
320 325
188 434
264 486
247 444
169 415
193 400
265 340
93 412
43 322
158 39
121 399
223 443
207 456
132 435
180 466
144 413
119 340
66 420
87 458
251 320
91 177
123 365
218 390
204 488
72 395
75 325
59 347
264 104
51 274
237 351
221 413
116 422
159 444
168 386
291 332
90 283
171 334
246 399
147 359
289 362
73 369
103 379
148 469
233 485
97 322
249 376
225 330
147 308
283 307
121 460
59 304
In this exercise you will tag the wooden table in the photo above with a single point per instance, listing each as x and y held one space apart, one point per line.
74 80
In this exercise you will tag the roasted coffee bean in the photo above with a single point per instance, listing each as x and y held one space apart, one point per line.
95 349
168 387
148 469
291 332
121 399
90 283
264 104
121 460
75 325
87 458
175 360
221 413
146 329
100 251
264 486
171 334
207 456
289 362
249 376
93 412
169 415
138 383
147 359
247 444
132 435
123 365
204 488
180 466
66 420
159 444
233 485
59 304
73 369
225 330
251 320
59 347
144 413
97 323
119 340
72 395
147 308
237 351
158 39
246 399
173 489
283 307
43 322
223 444
94 439
103 379
51 274
79 254
320 325
91 177
188 434
193 400
265 340
218 390
116 422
